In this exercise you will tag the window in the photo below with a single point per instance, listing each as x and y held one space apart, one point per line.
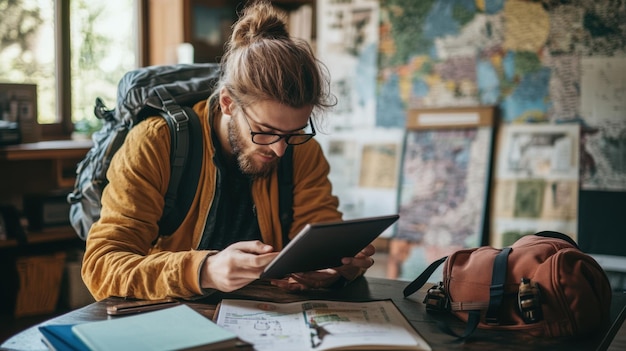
74 50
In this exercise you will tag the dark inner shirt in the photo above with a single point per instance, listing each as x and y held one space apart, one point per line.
232 216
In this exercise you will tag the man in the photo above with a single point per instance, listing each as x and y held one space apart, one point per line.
269 90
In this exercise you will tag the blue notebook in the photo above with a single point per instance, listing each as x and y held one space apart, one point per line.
174 328
61 338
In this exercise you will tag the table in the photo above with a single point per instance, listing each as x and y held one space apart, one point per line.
365 288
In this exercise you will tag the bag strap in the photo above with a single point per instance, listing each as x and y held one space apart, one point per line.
417 284
285 192
185 160
473 316
178 120
496 293
496 289
557 235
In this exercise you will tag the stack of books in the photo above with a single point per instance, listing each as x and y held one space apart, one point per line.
174 328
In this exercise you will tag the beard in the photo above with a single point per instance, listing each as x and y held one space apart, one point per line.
245 160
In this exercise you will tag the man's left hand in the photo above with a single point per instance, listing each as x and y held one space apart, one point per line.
352 268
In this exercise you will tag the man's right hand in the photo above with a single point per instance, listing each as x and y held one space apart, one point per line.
236 266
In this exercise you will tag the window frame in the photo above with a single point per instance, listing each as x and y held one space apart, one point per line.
63 129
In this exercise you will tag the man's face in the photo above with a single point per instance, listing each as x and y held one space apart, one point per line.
244 151
265 117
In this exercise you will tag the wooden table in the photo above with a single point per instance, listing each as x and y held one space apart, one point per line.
362 289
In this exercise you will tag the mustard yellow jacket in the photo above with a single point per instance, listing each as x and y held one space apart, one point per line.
123 256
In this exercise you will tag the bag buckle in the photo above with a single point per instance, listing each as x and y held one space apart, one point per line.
436 299
529 301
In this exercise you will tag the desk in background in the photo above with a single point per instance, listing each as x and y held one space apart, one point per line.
360 290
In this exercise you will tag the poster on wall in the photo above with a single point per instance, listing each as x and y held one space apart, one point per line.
536 183
364 157
364 171
603 104
347 44
444 186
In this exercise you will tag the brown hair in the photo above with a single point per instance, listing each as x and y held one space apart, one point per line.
262 62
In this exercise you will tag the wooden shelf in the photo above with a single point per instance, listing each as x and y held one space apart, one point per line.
39 167
47 235
51 234
57 149
8 243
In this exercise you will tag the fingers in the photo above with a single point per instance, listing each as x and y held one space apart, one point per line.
369 250
365 262
288 284
363 259
236 266
306 281
316 279
252 254
246 254
357 265
254 246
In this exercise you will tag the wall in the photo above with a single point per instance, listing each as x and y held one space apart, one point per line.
555 71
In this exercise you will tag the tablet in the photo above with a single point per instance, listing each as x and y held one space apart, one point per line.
323 245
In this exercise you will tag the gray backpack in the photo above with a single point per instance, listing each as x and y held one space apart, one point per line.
167 91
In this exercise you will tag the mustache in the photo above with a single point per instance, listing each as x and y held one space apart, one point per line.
271 154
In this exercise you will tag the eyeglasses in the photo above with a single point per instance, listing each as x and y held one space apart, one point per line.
262 138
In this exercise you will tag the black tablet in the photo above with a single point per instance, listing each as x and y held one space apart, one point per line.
323 245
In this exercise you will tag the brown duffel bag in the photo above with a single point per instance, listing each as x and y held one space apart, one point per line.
543 285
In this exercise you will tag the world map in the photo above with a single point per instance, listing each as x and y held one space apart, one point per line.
523 56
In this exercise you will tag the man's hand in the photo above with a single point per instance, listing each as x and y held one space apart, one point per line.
352 268
236 266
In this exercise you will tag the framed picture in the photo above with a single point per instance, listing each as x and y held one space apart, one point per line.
18 104
536 183
443 197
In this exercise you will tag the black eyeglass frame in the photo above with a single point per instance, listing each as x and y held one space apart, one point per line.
278 136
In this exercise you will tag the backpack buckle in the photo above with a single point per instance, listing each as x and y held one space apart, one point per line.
179 116
436 299
529 301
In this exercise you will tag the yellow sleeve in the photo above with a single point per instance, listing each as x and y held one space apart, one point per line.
118 260
313 198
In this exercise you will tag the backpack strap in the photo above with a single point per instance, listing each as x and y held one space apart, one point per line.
285 192
185 161
473 316
417 284
496 290
557 235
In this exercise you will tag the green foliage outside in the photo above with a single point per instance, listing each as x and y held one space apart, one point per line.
102 50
